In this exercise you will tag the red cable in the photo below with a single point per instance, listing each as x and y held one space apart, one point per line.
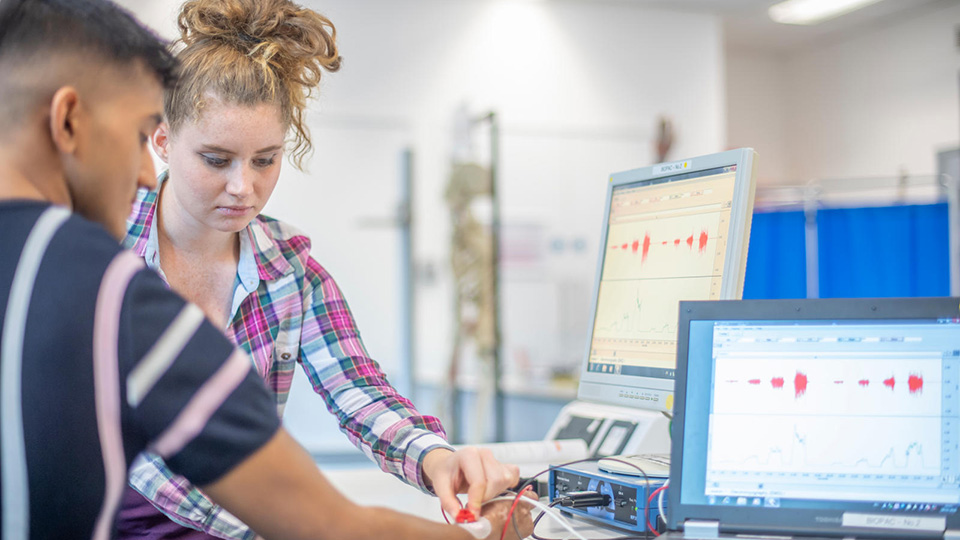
513 507
444 513
646 511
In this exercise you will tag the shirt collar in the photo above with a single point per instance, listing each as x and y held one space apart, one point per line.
271 264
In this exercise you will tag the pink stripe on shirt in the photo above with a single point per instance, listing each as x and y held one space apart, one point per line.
106 376
202 405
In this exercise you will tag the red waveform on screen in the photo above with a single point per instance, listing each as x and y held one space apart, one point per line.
800 384
643 246
800 380
915 383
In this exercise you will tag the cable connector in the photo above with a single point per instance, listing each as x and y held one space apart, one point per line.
584 499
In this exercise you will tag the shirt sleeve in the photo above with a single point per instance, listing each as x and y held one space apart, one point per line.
190 395
181 501
375 417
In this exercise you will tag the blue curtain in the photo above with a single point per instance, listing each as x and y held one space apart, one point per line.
776 260
884 252
862 252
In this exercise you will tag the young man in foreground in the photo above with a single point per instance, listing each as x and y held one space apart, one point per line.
98 359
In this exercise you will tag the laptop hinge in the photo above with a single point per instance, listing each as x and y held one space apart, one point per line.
701 529
951 534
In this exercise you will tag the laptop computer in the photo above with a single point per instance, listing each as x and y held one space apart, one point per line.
817 419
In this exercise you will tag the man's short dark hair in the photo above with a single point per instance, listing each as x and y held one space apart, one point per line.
97 27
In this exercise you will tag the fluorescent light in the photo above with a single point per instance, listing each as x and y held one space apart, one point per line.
814 11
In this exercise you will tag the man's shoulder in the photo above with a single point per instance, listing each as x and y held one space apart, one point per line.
75 235
82 240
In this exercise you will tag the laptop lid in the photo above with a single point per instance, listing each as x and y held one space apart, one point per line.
818 417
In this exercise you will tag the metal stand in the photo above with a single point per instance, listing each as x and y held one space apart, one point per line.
496 358
407 274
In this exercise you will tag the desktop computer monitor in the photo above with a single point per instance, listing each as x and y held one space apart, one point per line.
673 231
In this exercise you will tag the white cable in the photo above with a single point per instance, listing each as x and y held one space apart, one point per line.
553 513
663 515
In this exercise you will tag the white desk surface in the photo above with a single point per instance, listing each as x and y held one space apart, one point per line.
373 487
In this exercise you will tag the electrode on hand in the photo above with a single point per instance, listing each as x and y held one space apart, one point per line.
480 528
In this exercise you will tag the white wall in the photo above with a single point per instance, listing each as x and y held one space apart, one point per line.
877 101
578 87
757 107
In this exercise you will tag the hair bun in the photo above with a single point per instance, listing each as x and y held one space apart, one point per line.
296 41
252 51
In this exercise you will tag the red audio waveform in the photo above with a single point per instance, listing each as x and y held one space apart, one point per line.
915 383
800 384
800 381
643 247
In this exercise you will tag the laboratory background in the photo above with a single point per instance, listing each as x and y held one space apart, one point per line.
462 154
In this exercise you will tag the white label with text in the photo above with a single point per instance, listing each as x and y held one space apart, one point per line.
671 167
887 521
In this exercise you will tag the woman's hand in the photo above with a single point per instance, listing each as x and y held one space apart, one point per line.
473 471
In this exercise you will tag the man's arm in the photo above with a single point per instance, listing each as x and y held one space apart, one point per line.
281 494
211 418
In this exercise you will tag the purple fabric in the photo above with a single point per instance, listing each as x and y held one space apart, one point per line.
138 518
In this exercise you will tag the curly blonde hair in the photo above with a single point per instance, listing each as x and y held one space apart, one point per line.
249 52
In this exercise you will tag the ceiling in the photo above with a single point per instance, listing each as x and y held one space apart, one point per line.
747 25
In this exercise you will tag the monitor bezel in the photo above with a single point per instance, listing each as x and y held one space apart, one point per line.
789 520
657 393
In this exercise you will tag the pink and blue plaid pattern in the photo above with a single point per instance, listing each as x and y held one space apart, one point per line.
295 315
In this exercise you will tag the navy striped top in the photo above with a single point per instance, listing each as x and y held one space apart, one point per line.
99 361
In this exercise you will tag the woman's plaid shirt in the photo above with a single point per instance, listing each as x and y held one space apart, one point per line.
287 310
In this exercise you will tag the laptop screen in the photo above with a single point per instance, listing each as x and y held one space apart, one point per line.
859 417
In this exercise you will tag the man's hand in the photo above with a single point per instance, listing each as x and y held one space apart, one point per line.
473 471
497 514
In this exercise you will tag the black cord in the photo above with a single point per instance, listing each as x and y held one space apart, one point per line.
646 528
533 534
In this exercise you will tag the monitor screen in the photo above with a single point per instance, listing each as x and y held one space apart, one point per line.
805 413
671 232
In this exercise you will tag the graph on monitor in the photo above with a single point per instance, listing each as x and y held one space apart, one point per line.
670 232
665 243
827 415
797 410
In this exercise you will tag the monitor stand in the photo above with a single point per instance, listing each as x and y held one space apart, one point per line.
613 430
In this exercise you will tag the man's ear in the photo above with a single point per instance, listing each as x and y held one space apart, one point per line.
65 119
160 141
